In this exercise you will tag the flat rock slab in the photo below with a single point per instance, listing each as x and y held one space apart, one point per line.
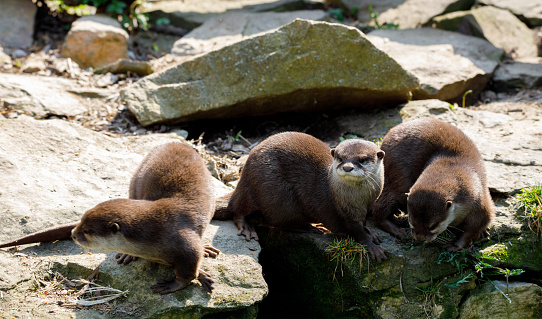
40 96
495 128
528 11
447 63
52 172
17 23
523 73
190 14
228 28
302 66
498 26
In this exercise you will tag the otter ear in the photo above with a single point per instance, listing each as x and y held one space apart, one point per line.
449 204
332 152
407 194
114 227
380 154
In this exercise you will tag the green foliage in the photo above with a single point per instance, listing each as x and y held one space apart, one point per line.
464 96
346 250
385 26
472 264
337 13
531 202
347 137
237 137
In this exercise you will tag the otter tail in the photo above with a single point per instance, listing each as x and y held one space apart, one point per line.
221 208
51 234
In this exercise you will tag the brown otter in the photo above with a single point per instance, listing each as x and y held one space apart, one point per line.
171 203
435 172
294 179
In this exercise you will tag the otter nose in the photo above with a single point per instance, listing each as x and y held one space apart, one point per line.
348 167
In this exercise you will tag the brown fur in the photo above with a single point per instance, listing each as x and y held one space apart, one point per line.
290 178
435 173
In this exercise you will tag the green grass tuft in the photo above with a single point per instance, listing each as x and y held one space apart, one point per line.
531 201
346 250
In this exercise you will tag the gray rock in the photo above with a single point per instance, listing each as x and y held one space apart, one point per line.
303 66
499 27
40 96
488 302
68 169
17 23
95 41
523 73
446 63
528 11
190 14
228 28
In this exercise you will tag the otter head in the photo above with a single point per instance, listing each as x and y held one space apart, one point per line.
98 229
357 160
429 214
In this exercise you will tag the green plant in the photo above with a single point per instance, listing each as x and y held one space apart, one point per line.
429 294
531 201
346 250
237 137
347 137
472 264
385 26
337 13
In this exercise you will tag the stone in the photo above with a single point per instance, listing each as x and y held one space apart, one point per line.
68 169
4 58
34 63
525 301
447 64
228 28
95 41
404 13
523 73
40 96
500 27
529 12
190 14
303 66
17 23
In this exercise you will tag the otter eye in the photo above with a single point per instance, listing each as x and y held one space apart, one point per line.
433 228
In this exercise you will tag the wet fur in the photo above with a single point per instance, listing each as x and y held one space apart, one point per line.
442 172
291 180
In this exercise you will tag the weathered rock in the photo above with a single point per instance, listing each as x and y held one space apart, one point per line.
499 27
34 63
228 28
4 58
447 64
17 23
190 14
122 66
303 66
523 73
68 169
95 41
40 96
529 12
488 302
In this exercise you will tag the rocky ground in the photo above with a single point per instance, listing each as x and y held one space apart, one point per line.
504 123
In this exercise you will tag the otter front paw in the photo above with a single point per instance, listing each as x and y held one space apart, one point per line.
210 251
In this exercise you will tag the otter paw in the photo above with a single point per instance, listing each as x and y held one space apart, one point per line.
210 251
124 259
249 233
373 237
376 252
319 229
166 287
206 281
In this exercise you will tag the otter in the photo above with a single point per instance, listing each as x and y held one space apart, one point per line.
294 179
435 173
171 203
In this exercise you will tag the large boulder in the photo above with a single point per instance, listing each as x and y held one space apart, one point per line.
498 26
52 172
17 23
528 11
190 14
303 66
95 41
447 64
228 28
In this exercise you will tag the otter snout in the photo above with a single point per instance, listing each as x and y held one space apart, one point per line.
423 237
348 167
